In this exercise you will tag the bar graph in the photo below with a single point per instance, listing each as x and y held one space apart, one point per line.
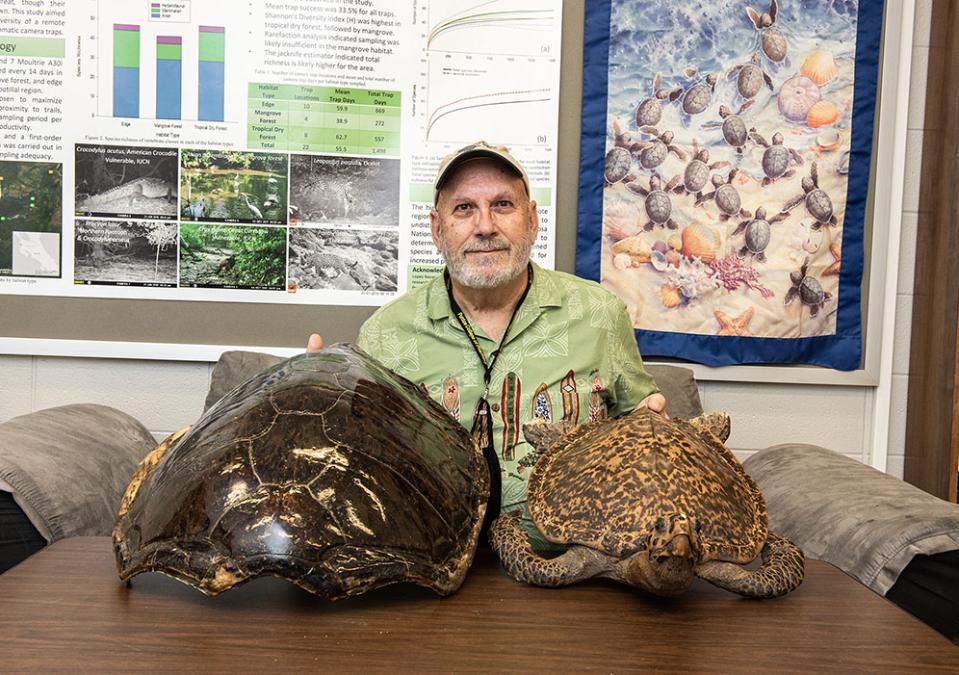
176 68
169 78
212 63
126 70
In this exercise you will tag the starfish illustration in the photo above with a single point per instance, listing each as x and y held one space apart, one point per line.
834 268
736 325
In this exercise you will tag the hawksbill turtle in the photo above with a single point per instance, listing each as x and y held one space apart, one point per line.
648 501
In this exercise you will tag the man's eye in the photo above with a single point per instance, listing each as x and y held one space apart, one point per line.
462 207
504 204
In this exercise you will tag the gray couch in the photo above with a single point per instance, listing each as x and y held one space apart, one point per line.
67 468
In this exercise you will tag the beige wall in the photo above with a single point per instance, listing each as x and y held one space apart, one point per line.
166 395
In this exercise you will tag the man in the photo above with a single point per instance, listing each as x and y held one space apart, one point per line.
496 339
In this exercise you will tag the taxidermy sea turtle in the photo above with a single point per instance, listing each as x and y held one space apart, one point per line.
648 501
327 469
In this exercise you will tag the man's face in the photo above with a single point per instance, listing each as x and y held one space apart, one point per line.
484 224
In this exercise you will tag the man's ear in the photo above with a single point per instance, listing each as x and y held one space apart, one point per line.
533 219
435 227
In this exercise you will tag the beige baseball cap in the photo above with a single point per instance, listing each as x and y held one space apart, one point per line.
477 150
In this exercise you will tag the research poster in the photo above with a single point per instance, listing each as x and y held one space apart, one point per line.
267 151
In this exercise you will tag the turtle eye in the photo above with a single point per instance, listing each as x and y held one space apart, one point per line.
698 526
660 525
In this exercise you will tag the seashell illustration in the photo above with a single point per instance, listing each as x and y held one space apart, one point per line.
843 167
658 260
669 295
621 221
822 113
700 241
635 247
796 97
673 257
811 238
827 139
820 67
622 261
675 242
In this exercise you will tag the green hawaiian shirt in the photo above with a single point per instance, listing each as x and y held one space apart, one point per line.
570 354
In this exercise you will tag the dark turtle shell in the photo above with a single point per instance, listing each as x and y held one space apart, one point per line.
728 200
605 484
658 206
734 130
328 470
776 160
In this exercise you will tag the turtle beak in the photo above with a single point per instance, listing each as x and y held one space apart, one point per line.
680 547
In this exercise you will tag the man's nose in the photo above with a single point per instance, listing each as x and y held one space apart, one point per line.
485 222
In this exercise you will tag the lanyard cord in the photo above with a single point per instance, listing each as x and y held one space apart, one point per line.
461 316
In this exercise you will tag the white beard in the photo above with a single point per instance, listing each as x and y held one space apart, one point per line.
491 274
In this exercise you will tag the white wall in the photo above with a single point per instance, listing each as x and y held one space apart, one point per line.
166 395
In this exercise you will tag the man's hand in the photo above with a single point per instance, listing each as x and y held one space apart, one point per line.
314 344
656 403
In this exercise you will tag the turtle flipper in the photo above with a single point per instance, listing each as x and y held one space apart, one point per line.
716 423
521 562
781 572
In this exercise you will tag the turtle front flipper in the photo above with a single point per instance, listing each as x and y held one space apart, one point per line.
521 562
781 571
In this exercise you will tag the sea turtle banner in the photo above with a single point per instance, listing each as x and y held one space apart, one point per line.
724 171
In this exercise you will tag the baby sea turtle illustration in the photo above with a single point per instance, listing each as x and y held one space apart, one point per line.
650 502
619 159
617 164
652 153
735 132
777 158
756 232
773 41
726 197
751 77
808 289
658 204
697 171
327 470
696 99
817 201
650 110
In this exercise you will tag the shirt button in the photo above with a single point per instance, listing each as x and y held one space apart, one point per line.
496 407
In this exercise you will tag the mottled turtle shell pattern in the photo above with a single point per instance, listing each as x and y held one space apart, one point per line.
604 484
328 470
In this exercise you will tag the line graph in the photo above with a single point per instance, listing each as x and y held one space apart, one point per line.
497 99
501 98
494 27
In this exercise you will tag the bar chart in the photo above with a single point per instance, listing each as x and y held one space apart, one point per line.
126 70
169 76
212 66
167 70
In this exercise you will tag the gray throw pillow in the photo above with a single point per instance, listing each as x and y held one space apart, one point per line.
678 385
68 467
865 522
232 369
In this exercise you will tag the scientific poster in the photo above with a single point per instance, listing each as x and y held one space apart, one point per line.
276 152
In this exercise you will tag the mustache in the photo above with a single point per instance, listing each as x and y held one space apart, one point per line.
486 246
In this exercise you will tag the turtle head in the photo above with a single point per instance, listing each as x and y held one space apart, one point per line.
674 535
545 436
667 565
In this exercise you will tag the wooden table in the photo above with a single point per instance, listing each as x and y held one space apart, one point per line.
65 608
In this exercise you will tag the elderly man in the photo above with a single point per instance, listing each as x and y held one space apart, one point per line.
498 340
